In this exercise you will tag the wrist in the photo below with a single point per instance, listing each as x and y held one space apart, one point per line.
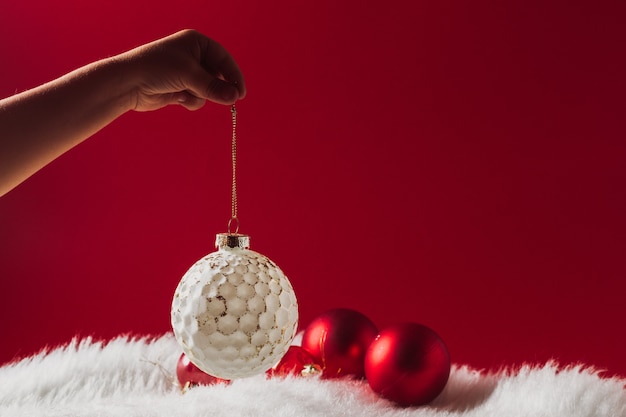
118 84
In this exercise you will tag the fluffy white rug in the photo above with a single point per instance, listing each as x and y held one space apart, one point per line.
135 377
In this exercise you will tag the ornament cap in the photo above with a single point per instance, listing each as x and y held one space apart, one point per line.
232 240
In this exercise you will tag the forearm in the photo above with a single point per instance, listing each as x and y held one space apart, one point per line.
38 125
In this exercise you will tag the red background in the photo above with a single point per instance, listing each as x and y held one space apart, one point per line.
458 164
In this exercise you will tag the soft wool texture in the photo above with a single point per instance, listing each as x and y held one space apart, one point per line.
135 377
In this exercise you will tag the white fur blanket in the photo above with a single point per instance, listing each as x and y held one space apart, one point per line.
135 377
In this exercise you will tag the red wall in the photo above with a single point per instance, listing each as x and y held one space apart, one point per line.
459 164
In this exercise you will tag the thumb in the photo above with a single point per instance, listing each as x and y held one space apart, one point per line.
202 84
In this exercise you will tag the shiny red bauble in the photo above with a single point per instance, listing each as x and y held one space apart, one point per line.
338 340
408 363
296 362
190 375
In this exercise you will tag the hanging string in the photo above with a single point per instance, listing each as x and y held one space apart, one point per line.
233 207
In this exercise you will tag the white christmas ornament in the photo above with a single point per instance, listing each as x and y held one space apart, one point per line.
234 312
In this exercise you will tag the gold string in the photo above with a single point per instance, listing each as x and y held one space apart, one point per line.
233 214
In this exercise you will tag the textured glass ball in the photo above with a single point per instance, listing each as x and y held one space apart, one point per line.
234 312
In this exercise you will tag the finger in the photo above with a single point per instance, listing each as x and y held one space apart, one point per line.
188 100
231 73
204 85
219 63
222 92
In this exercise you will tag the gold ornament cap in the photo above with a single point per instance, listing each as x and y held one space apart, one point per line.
232 240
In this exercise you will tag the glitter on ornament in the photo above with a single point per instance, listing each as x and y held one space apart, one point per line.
296 362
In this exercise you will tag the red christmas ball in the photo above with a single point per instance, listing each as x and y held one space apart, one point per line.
189 374
408 363
338 340
297 361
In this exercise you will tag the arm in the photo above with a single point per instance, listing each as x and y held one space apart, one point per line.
38 125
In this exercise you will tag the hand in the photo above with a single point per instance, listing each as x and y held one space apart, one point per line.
185 68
